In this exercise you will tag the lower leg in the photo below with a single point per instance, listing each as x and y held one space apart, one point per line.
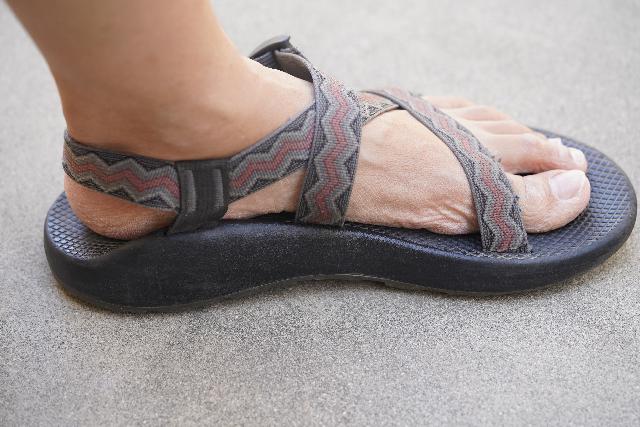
156 77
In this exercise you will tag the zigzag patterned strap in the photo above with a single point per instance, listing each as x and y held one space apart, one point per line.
154 183
145 181
498 212
274 157
334 152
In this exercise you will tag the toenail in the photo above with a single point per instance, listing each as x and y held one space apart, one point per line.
531 137
534 142
577 156
567 185
556 141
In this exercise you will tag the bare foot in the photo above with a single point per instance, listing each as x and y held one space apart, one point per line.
406 176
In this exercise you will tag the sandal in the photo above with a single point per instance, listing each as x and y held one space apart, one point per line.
200 257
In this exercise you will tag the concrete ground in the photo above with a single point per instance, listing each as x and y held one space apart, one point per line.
330 353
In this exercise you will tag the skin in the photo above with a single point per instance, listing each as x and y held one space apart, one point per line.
163 80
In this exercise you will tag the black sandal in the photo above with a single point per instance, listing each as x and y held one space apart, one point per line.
201 257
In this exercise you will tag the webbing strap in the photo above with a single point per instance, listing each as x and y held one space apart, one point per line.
333 157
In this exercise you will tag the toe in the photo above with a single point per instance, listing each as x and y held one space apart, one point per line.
552 199
503 127
531 153
477 113
443 102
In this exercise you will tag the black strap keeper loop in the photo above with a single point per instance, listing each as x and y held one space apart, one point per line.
274 43
204 194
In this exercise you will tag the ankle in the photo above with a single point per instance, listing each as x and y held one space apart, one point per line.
207 118
162 121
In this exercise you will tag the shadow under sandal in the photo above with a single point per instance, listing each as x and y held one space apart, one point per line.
201 257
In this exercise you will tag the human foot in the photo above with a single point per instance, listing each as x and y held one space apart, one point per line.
406 176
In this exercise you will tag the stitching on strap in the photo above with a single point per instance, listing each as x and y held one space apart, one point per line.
372 106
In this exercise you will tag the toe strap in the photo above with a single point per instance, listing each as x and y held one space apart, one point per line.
333 158
497 209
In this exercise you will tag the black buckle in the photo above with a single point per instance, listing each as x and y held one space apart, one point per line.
204 193
274 43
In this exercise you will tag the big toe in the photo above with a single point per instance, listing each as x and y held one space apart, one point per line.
552 199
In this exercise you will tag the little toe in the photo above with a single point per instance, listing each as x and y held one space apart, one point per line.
445 102
477 113
502 127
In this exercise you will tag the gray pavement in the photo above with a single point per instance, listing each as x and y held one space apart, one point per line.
326 353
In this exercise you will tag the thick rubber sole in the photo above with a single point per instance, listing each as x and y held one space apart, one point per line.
160 272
